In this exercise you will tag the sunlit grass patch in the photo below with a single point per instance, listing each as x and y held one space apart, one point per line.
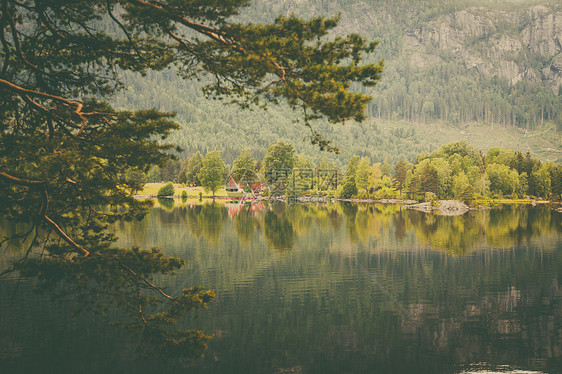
152 189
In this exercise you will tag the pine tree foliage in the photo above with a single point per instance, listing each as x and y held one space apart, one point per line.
69 160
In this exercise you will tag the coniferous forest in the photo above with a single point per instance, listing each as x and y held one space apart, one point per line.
453 63
454 171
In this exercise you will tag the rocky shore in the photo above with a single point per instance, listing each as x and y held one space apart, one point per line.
284 198
323 199
444 207
441 207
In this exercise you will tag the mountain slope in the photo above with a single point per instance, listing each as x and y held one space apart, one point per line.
449 66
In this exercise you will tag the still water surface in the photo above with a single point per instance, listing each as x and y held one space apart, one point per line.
336 288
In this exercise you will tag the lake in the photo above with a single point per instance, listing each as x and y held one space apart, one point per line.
329 288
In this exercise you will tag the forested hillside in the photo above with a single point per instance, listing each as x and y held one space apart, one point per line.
450 67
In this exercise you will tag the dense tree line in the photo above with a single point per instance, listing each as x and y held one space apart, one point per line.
459 171
454 171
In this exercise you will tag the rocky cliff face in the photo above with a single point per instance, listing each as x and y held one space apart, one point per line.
515 45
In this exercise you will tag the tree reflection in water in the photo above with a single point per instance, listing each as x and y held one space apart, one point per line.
278 231
166 204
206 220
460 235
246 224
465 297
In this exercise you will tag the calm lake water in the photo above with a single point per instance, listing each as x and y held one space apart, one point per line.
335 288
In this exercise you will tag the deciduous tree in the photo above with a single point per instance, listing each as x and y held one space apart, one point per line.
213 172
189 173
362 174
244 168
280 157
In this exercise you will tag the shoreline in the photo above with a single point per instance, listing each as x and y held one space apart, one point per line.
282 198
479 203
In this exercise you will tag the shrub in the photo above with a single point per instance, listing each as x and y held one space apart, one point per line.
468 194
167 190
362 195
430 197
385 193
347 191
184 194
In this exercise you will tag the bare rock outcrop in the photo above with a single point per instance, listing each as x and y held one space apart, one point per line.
442 207
494 43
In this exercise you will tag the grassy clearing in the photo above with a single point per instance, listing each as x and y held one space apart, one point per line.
152 189
171 204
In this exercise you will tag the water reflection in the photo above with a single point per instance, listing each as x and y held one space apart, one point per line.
338 288
166 204
392 305
205 220
283 224
496 228
278 231
245 223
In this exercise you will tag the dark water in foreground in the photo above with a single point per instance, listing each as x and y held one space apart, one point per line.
334 288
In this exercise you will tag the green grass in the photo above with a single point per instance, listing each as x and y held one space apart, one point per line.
188 202
152 189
